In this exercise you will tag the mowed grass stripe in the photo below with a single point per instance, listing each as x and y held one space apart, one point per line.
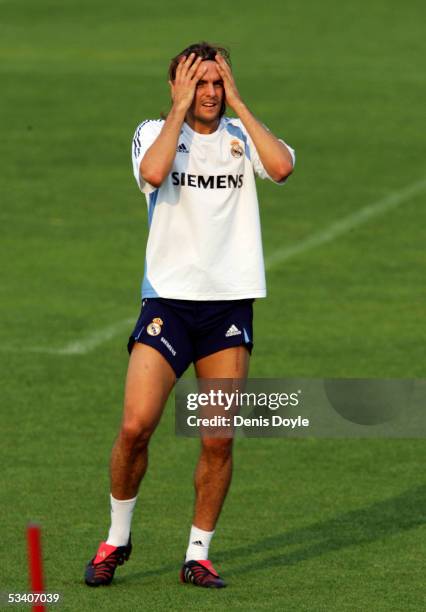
336 229
342 226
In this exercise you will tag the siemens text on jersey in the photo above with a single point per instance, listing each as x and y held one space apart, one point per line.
219 181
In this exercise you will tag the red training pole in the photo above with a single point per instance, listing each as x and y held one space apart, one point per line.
35 563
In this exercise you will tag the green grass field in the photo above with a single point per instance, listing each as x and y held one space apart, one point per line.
315 525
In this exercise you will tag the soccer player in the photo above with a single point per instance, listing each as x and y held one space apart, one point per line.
203 270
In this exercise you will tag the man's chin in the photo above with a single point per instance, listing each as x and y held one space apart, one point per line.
208 117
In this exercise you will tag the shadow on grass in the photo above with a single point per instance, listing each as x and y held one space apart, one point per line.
382 519
379 520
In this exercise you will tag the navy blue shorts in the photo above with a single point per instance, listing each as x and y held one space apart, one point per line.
184 331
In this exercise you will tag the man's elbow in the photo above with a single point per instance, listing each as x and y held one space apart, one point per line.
154 180
153 177
282 171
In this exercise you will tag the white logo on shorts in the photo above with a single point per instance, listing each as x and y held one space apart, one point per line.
233 331
169 346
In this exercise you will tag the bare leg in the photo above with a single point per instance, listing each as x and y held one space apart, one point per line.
150 378
214 470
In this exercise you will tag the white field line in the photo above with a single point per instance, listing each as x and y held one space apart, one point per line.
342 226
87 344
338 228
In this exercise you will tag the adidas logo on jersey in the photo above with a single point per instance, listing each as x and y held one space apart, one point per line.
182 148
232 331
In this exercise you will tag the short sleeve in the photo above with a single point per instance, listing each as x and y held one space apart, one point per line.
146 133
257 164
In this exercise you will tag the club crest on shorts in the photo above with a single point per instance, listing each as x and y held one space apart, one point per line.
154 328
236 149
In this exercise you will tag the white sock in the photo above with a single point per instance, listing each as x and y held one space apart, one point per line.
121 518
198 546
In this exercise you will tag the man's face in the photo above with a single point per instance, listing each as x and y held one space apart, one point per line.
208 96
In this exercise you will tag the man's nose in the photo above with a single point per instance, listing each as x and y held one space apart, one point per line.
210 89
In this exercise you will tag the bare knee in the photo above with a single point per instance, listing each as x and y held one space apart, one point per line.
217 449
135 435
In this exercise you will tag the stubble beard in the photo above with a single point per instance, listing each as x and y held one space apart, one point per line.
205 120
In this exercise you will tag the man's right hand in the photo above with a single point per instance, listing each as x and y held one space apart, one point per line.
158 160
188 72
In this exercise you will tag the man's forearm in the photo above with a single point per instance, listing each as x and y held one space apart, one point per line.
158 160
274 156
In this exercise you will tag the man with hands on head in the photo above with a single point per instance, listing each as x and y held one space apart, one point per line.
203 270
199 93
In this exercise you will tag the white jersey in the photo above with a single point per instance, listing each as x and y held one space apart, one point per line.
204 238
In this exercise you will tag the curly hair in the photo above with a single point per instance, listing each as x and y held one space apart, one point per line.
205 50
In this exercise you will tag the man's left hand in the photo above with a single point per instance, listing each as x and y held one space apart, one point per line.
232 96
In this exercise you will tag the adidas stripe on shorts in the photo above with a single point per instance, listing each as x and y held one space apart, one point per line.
184 331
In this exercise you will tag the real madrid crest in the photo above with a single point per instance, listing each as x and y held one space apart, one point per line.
154 328
236 148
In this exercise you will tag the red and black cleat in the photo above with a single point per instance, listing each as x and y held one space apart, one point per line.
201 573
100 570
